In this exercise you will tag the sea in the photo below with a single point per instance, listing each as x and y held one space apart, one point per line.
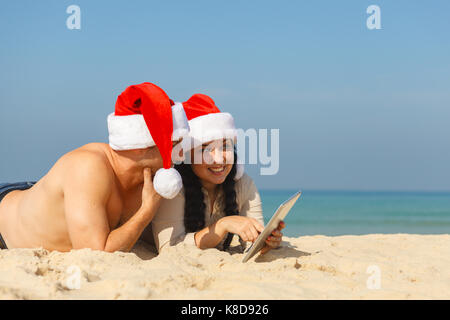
334 213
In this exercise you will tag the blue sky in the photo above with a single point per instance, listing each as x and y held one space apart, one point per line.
357 109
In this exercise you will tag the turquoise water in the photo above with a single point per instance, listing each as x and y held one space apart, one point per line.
344 212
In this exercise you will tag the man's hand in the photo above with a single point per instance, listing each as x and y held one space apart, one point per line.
150 198
274 240
124 237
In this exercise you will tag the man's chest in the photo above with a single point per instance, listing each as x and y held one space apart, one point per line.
123 206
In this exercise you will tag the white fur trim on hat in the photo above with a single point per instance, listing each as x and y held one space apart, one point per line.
131 132
210 127
239 171
167 182
180 122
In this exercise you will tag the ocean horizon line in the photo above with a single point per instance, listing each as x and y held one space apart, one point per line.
356 191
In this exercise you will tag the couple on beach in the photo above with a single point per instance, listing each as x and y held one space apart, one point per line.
107 197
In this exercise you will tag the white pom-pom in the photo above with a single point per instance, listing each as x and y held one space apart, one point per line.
167 182
239 171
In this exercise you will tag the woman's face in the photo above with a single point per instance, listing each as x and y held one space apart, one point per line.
217 158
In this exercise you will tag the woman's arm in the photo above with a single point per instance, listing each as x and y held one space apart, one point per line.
247 225
247 228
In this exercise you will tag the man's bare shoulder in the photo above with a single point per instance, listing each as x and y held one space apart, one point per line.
89 165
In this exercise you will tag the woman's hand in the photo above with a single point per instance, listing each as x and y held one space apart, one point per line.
247 228
274 240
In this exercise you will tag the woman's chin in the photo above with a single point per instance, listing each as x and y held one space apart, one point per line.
216 179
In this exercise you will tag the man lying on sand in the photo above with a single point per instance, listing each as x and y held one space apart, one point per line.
101 196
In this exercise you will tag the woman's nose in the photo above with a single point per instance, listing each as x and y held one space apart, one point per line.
219 156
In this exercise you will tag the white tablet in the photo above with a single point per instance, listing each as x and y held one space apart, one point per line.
279 215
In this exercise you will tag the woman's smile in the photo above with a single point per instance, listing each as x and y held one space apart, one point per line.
217 170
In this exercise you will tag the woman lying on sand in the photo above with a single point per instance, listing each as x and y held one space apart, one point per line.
218 199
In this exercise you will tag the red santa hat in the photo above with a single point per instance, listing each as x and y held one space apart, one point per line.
145 117
208 123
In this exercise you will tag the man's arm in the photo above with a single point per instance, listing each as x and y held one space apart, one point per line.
124 237
87 189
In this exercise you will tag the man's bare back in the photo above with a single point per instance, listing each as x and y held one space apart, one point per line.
92 197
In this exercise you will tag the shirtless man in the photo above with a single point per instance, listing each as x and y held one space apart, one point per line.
101 196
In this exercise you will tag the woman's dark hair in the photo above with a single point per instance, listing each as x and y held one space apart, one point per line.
194 202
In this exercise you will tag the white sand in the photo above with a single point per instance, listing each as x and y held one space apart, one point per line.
312 267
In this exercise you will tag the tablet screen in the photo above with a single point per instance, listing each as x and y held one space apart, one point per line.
279 215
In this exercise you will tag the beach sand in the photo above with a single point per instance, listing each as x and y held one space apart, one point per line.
309 267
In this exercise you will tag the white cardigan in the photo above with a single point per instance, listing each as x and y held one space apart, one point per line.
167 227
